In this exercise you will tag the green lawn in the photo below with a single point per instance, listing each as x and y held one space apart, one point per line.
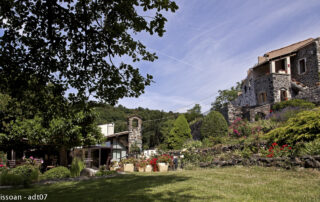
219 184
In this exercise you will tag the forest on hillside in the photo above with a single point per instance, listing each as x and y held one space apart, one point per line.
156 124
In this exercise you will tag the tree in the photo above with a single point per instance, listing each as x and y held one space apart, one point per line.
225 96
193 113
214 125
179 133
62 133
76 43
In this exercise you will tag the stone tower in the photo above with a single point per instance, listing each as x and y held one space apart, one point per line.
135 137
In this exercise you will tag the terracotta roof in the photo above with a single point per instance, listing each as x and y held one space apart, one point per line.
285 50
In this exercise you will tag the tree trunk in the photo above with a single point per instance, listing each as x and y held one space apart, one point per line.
63 157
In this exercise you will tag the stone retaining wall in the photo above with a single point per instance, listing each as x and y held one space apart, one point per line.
283 162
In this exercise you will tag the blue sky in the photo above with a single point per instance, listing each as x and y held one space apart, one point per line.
210 44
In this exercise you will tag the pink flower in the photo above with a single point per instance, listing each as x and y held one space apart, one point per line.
1 165
31 157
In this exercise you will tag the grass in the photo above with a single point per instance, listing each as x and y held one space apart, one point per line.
218 184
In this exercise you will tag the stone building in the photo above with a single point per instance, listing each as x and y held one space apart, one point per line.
286 73
116 145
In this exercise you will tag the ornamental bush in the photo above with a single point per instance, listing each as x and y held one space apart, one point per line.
76 166
293 103
57 173
213 125
22 175
311 148
304 127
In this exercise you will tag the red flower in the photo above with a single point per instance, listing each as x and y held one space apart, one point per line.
284 145
290 148
1 165
274 144
270 155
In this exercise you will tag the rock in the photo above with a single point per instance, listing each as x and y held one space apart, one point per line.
89 172
309 164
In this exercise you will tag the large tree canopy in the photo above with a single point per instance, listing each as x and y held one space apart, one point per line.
73 43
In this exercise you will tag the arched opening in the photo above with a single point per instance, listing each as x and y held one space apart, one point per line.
283 95
135 123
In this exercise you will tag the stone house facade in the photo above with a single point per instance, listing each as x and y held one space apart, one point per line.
287 73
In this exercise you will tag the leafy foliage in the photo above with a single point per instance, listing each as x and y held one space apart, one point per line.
73 43
304 127
225 96
293 103
179 133
311 148
59 172
213 125
26 175
194 113
76 166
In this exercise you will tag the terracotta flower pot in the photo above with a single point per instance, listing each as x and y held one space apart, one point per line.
148 168
163 167
128 167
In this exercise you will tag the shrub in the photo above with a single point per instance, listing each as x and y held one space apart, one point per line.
240 128
311 148
214 125
192 144
57 173
264 126
27 174
76 166
105 172
293 103
179 133
304 127
8 179
285 114
3 158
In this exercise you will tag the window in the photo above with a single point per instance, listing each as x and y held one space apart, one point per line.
280 66
262 98
302 66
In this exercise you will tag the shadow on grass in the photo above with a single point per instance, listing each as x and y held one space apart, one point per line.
127 187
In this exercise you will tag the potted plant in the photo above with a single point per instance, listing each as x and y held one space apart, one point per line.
141 165
163 162
128 164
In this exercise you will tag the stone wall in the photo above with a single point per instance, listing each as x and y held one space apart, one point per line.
248 96
231 112
311 94
264 84
250 112
311 53
280 82
254 160
283 162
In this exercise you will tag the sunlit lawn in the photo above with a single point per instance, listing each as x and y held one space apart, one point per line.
219 184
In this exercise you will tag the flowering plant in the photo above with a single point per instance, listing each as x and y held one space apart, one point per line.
153 163
165 158
142 163
240 128
33 161
279 151
128 161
